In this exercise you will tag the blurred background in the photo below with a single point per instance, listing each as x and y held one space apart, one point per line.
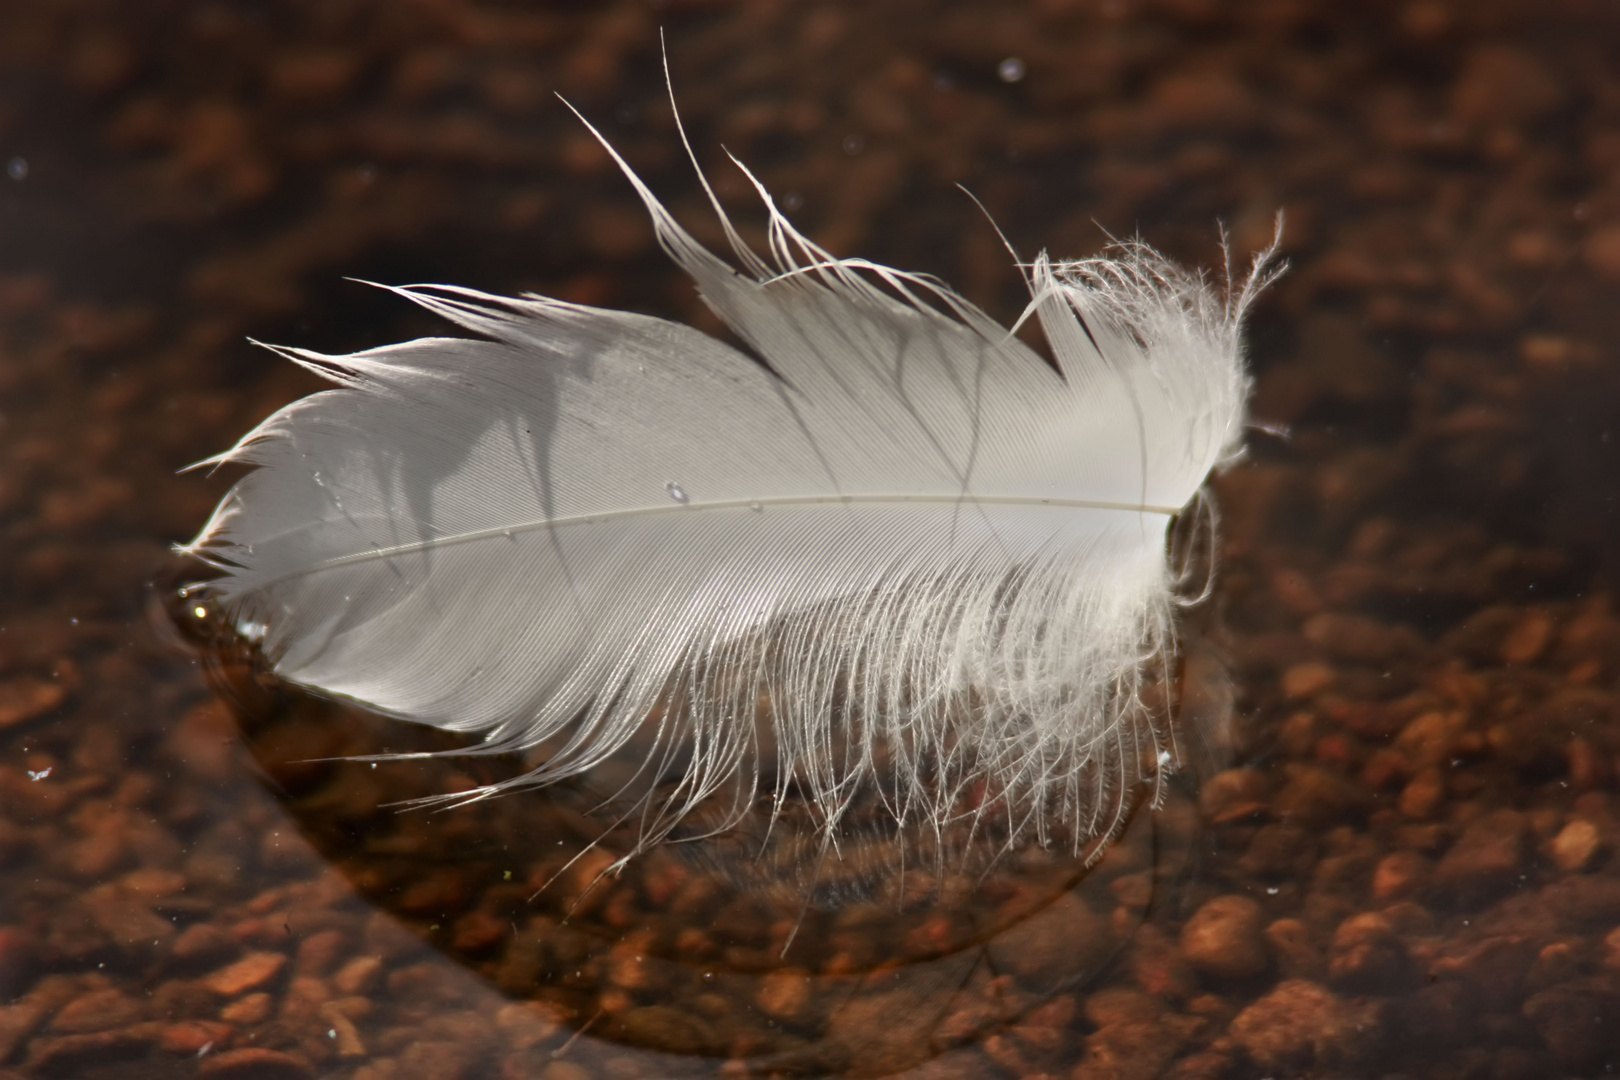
1409 869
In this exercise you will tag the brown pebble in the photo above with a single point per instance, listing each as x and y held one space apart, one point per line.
153 882
1303 681
1423 794
203 941
1486 857
1134 891
25 699
19 1019
1060 939
319 952
1554 964
479 931
1290 941
248 1010
527 1023
99 1010
253 970
254 1063
1158 965
565 1070
1492 969
1299 1023
345 1036
18 957
358 975
1573 849
1611 950
1122 1005
1224 938
1384 767
1127 1048
784 994
669 1029
1400 874
1357 638
1430 738
1366 956
1602 251
1233 795
188 1038
67 1054
1500 84
303 998
126 919
1315 796
1528 639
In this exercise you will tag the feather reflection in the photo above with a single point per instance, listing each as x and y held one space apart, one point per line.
756 944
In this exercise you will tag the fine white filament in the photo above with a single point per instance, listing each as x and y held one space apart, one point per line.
894 551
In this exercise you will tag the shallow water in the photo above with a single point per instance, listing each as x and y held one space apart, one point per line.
1405 863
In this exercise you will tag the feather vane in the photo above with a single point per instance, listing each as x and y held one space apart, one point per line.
895 547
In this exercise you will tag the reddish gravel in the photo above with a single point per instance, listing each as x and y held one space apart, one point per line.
1404 857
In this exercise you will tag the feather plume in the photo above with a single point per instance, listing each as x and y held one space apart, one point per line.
895 553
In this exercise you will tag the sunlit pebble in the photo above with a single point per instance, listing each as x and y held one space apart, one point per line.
1012 70
17 168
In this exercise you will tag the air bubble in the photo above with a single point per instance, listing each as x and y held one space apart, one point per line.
676 492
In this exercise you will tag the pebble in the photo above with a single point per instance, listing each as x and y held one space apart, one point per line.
1601 251
66 1054
1575 846
1367 956
669 1029
248 1010
1225 938
22 700
1291 943
248 973
191 1038
784 994
204 942
1423 795
1355 637
18 962
254 1063
1314 796
1486 858
358 975
1401 874
1304 681
1302 1024
1234 794
1061 939
98 1010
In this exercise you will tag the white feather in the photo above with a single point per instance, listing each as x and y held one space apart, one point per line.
904 554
